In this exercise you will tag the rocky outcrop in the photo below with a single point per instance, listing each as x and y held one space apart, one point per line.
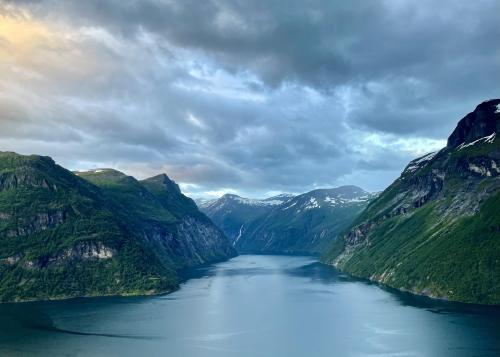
482 122
9 181
359 233
37 223
80 252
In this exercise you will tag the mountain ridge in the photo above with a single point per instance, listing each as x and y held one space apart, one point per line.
436 230
305 223
286 224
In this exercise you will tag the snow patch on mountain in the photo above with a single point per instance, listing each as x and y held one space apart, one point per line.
272 201
419 162
230 199
487 140
312 203
95 171
334 201
290 206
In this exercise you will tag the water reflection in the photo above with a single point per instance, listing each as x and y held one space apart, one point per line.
328 275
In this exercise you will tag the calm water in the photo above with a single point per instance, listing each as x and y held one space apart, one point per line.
254 306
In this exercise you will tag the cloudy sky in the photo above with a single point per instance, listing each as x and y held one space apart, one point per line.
251 97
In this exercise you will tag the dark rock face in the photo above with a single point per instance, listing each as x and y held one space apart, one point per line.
187 243
483 121
37 223
78 253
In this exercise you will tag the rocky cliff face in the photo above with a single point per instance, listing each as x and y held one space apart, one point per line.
203 241
187 243
482 122
78 253
167 221
434 231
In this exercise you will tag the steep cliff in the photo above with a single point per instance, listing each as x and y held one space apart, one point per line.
436 230
167 221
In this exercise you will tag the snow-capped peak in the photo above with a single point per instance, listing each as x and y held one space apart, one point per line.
93 171
235 199
257 202
326 198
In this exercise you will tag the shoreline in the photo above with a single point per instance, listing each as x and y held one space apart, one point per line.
407 291
68 298
181 275
187 274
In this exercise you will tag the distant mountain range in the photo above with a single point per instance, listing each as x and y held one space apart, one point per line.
287 224
232 212
436 230
92 233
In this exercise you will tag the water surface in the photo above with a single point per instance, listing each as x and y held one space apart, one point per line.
254 306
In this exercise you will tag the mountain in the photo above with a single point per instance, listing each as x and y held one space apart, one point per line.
304 224
66 235
231 212
436 230
167 221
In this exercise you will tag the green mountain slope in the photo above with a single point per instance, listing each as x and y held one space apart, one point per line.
436 230
95 233
305 224
60 238
168 222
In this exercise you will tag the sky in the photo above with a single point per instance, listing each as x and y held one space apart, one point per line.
248 97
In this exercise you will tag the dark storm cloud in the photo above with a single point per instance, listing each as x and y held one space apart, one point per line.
413 51
251 95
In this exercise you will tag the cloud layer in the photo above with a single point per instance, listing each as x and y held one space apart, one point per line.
243 96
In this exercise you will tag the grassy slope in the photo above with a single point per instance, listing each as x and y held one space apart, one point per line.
459 261
171 198
427 251
130 196
34 185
